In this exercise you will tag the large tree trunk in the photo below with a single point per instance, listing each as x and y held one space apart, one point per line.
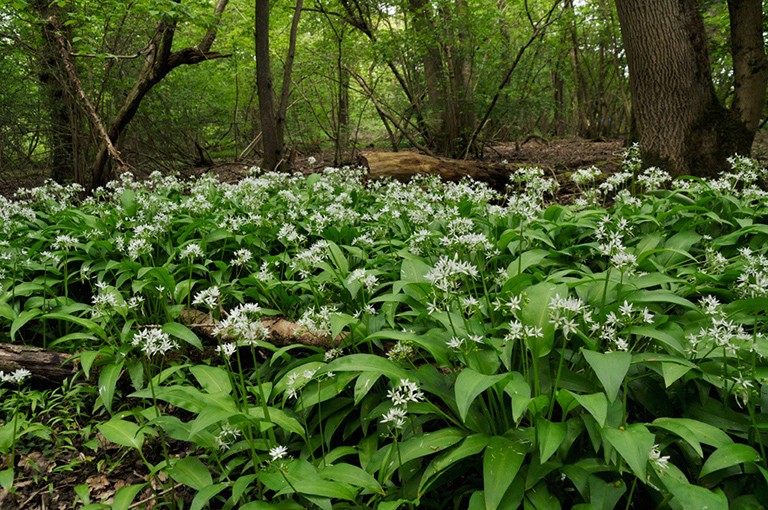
680 124
750 66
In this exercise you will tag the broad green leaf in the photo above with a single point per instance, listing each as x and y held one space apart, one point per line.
470 384
693 497
352 475
596 404
604 495
209 416
536 313
279 418
366 363
694 432
550 437
85 323
472 445
202 498
182 332
633 444
501 462
529 258
611 368
414 448
659 296
192 472
23 318
727 456
212 379
122 432
6 479
339 321
128 202
125 495
319 487
107 382
364 383
338 258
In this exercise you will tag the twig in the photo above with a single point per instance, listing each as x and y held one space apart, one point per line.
154 496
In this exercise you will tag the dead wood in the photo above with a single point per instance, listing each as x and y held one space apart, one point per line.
45 365
405 165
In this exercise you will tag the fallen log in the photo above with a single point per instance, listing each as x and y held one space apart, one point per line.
45 365
404 165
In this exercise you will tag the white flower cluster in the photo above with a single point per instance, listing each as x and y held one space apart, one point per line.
402 351
192 250
447 273
627 316
244 325
227 436
584 176
297 380
308 260
401 396
16 377
208 297
153 341
565 310
242 257
653 178
366 279
317 322
64 242
657 459
753 281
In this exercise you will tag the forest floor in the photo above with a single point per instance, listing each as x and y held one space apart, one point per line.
557 157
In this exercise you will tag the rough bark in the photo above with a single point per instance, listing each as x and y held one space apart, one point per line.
44 365
680 124
750 66
405 165
63 120
273 147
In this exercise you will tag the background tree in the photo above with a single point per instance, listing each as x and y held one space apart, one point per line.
680 123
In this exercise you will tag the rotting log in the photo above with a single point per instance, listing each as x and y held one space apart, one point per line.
282 332
45 365
405 165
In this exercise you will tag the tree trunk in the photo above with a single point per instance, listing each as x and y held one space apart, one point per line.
579 83
273 147
64 125
750 66
44 365
680 124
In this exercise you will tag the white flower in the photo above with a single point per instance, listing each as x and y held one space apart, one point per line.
407 392
191 250
278 452
153 341
311 160
332 354
227 436
64 242
227 350
396 416
655 457
241 257
16 377
208 297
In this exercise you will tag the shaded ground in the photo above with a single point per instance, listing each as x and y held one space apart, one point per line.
557 156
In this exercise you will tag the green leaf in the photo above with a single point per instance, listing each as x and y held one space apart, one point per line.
319 487
204 496
107 382
471 445
366 363
182 332
536 313
125 495
611 368
209 416
550 436
633 444
128 202
192 472
596 404
85 323
6 479
727 456
693 497
364 383
212 379
501 462
22 319
352 475
530 258
122 432
470 384
694 432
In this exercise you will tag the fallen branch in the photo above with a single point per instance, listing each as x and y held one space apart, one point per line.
45 365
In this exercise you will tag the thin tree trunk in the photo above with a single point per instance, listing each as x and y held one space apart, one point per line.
273 148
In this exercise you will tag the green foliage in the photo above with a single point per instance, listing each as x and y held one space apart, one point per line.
469 349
